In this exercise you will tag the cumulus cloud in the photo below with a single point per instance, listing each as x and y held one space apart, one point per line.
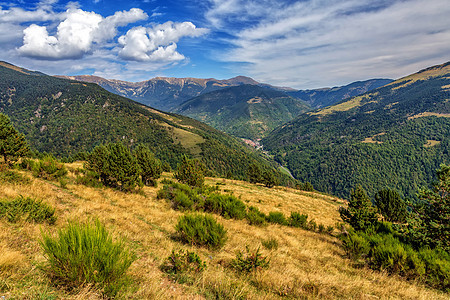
76 35
315 43
157 43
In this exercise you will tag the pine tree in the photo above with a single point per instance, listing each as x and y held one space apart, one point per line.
151 167
269 179
254 173
191 172
391 205
12 143
115 166
430 221
360 214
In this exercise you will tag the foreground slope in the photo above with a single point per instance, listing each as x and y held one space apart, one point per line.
246 111
395 136
64 117
306 265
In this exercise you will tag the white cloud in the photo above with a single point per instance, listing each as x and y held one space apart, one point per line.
76 35
157 43
318 43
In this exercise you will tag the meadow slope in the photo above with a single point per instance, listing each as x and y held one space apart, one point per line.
306 265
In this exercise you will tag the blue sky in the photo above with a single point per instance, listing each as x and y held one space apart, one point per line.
301 44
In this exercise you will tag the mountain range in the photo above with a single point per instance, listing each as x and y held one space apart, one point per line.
395 136
65 117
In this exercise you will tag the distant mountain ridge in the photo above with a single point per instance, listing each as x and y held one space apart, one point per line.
395 136
246 111
166 93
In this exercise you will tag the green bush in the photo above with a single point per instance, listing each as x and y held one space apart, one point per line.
28 209
227 206
86 254
181 201
437 268
250 262
191 172
255 217
268 179
12 176
277 217
298 220
201 230
88 178
355 246
49 168
181 264
270 244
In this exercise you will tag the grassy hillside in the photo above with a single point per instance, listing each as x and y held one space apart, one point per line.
305 265
64 117
246 111
395 136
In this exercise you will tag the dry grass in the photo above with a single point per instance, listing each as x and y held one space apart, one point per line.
347 105
305 265
431 143
429 114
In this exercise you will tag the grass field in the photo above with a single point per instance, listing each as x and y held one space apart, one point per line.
306 265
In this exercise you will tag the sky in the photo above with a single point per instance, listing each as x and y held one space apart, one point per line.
300 44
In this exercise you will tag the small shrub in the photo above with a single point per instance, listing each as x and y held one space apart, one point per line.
276 217
298 220
321 228
180 262
270 244
26 164
12 176
49 168
88 178
28 209
201 230
255 217
330 229
181 201
312 225
227 206
86 254
355 246
251 262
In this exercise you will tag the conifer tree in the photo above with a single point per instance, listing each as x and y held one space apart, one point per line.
430 221
190 171
254 173
12 143
360 214
269 179
151 167
115 166
391 205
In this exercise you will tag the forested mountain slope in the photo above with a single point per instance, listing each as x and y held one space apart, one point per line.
246 111
395 136
64 117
